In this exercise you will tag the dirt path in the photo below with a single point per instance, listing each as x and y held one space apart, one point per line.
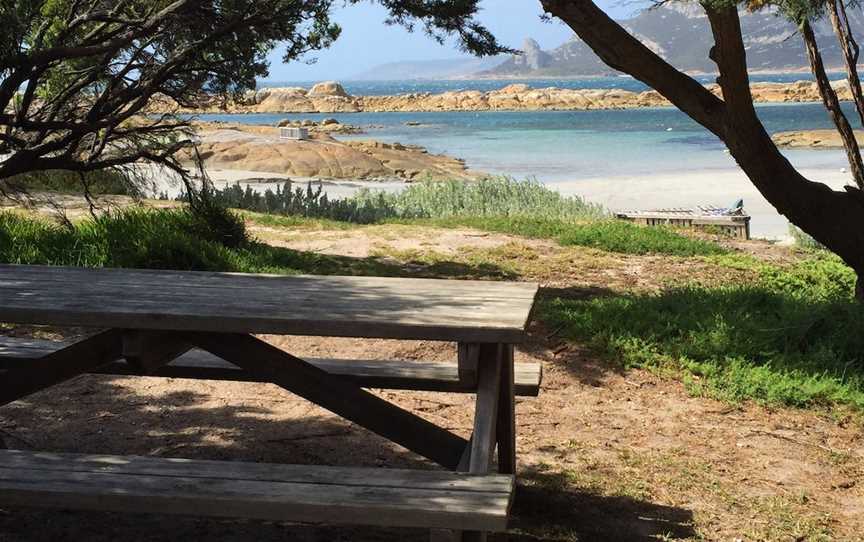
605 454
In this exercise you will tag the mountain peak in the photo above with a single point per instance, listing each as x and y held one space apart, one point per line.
530 44
680 33
532 57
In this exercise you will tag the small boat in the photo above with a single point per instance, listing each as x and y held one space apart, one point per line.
730 220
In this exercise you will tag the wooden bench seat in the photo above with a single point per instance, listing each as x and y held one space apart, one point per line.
416 375
306 494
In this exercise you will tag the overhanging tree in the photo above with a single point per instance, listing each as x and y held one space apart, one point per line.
835 219
77 76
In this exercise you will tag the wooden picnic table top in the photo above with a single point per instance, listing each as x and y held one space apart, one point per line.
379 307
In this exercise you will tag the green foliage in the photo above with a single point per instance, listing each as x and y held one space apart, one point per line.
489 197
792 338
67 182
290 200
624 237
498 197
500 204
159 239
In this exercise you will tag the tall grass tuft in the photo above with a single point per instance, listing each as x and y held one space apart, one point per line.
134 237
498 196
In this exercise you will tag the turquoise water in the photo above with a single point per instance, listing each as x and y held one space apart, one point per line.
379 88
570 145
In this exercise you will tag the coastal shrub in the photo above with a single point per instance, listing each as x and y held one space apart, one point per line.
792 338
496 196
490 197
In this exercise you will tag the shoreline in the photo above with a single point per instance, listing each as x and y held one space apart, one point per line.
331 97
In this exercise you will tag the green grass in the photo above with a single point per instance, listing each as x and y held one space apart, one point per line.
605 234
178 238
161 239
497 196
794 337
499 204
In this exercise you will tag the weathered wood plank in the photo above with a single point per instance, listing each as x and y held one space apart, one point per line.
486 408
483 438
466 311
467 360
61 365
306 474
256 491
384 374
506 430
336 394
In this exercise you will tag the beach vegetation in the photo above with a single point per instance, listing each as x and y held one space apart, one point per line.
500 204
791 337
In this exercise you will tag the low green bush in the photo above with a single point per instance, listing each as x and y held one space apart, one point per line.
624 237
145 238
792 338
496 196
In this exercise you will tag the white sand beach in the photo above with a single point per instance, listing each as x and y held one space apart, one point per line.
714 187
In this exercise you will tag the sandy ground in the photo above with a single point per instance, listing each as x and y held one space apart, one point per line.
720 187
604 454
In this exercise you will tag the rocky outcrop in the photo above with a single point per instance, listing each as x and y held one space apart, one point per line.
258 148
813 139
330 97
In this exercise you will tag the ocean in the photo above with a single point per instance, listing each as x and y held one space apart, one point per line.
386 88
567 149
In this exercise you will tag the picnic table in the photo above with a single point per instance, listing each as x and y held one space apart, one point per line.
204 325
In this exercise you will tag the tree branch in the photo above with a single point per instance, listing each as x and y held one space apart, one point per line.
620 50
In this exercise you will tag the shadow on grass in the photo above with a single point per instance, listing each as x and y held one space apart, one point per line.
261 258
549 507
743 342
381 266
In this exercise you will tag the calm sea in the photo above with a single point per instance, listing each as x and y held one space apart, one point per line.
384 88
568 145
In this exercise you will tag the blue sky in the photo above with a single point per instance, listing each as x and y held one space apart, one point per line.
366 41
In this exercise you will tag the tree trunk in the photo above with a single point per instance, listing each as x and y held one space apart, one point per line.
832 104
837 13
835 219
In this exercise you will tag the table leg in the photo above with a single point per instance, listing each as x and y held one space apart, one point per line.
337 394
64 364
148 351
507 415
489 367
